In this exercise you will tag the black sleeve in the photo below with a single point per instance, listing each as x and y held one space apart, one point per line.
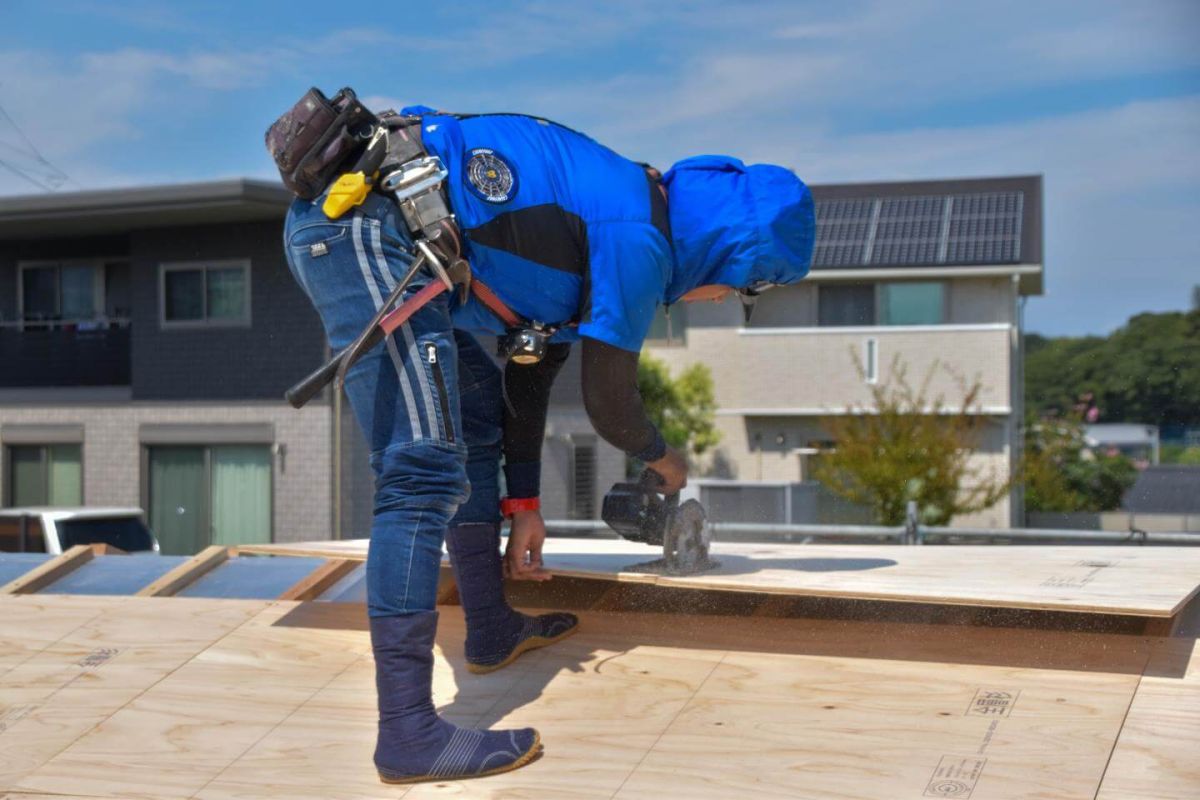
610 395
528 392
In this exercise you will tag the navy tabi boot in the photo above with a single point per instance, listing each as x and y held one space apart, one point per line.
496 634
415 744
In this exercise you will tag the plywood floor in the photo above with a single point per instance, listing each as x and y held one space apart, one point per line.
1139 581
235 700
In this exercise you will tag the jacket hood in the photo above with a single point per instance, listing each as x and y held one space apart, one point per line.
737 225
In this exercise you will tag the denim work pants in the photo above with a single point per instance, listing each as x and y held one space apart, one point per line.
429 401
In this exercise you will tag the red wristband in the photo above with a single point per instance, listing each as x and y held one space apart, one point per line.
511 505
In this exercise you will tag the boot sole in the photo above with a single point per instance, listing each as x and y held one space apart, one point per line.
532 643
528 756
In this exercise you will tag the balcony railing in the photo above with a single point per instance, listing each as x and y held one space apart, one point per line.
56 353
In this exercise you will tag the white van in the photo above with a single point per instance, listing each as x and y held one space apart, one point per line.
53 530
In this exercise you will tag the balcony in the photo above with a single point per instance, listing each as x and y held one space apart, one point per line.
58 353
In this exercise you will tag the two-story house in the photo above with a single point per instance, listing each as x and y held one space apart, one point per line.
146 338
926 271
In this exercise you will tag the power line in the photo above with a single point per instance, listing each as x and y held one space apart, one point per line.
21 174
57 176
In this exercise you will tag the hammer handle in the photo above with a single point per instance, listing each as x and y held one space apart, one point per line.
311 386
308 388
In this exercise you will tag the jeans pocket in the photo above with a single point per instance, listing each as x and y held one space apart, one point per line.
318 237
433 365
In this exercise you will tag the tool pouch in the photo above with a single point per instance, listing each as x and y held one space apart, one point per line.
315 137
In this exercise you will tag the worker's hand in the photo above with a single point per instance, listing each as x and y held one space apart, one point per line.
523 557
673 470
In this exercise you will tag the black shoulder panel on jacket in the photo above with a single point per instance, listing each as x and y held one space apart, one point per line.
658 207
547 234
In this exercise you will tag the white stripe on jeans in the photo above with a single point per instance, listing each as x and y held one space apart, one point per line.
416 356
372 286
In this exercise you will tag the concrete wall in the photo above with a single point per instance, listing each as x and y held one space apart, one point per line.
112 462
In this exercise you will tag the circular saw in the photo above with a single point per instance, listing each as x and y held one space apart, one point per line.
639 513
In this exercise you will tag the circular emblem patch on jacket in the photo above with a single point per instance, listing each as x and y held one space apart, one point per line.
490 176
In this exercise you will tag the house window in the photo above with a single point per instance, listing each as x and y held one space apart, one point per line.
842 304
669 326
45 475
913 303
217 293
61 292
897 303
582 493
871 360
203 495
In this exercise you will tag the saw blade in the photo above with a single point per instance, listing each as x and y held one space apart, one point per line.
692 535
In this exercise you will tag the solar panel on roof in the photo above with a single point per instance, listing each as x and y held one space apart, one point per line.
985 228
981 228
842 229
909 230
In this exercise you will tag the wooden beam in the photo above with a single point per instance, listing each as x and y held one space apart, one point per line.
186 573
317 582
48 572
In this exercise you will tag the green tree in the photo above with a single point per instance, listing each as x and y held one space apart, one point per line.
1146 371
908 445
1180 454
1061 473
682 407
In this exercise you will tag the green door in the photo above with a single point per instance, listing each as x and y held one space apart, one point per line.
179 499
241 494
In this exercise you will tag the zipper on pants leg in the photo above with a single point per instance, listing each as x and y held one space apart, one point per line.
444 401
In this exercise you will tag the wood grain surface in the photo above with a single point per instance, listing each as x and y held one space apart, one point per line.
170 698
1139 581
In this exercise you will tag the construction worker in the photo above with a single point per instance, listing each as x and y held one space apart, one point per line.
564 232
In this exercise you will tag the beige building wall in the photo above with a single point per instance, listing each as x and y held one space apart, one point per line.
112 462
777 380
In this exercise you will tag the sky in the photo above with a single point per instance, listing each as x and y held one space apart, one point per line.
1101 98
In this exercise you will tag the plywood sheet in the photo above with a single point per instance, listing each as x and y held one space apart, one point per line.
106 652
1158 754
206 713
281 705
1140 581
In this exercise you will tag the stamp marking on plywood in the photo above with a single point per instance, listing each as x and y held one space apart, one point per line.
955 776
1090 567
992 703
98 657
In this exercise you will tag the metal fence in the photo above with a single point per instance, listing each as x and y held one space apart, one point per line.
912 533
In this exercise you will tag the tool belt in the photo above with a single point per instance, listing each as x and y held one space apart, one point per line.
320 138
313 139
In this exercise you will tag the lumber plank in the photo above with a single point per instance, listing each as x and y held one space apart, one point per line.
47 573
186 573
1156 755
1137 581
320 579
